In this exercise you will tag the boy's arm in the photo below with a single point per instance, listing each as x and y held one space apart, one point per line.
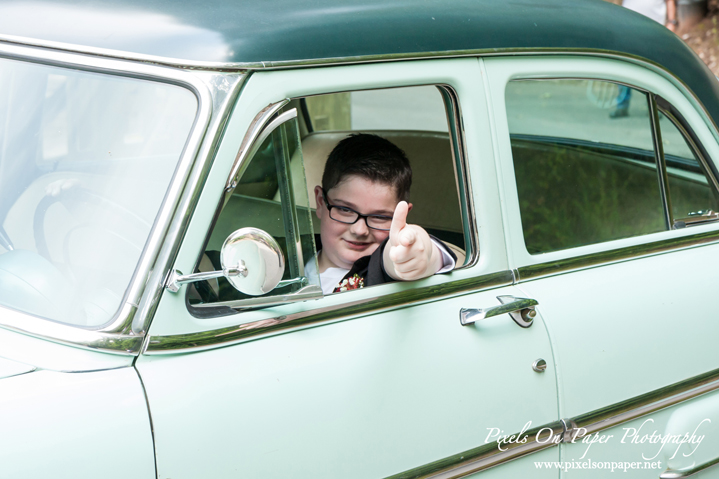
410 253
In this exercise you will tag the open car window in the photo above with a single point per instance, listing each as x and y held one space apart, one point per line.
416 120
419 127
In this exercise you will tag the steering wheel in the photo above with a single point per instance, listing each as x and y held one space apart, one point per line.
122 235
92 204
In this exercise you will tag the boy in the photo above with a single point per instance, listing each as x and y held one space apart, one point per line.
362 206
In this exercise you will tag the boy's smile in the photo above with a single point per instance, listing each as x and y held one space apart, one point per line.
343 244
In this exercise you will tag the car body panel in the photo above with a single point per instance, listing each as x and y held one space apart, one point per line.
627 444
53 356
370 396
75 425
611 322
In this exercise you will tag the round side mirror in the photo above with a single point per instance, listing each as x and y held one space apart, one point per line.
255 259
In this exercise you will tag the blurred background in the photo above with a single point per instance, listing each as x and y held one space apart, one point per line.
698 27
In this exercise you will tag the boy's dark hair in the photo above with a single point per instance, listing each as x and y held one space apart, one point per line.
371 157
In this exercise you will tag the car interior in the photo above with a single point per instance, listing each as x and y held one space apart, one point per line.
85 162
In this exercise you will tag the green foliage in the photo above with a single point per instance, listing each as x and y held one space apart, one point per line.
571 196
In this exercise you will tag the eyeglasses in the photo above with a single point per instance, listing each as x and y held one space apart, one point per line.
348 216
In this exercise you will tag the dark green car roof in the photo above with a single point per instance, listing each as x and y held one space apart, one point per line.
263 33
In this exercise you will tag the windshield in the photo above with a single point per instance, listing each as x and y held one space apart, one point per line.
85 162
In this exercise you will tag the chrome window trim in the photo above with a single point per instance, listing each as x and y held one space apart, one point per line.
488 455
690 137
565 265
117 335
660 161
226 95
458 147
201 341
250 144
708 168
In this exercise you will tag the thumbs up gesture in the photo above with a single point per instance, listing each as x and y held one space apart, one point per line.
410 253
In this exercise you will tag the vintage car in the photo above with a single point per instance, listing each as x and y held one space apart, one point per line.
157 168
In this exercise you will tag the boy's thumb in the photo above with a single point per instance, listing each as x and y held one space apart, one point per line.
399 221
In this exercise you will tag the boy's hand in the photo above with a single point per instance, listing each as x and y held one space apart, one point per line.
410 253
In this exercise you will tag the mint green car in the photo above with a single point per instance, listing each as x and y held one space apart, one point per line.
158 318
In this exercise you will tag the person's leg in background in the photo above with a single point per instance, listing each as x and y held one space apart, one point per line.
623 97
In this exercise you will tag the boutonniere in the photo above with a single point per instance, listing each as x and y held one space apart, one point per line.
354 282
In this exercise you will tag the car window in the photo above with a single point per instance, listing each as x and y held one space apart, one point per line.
409 108
414 119
584 161
693 197
257 199
85 163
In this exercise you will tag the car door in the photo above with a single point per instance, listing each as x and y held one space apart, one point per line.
611 228
375 382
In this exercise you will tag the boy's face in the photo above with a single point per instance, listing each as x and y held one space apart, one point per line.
343 244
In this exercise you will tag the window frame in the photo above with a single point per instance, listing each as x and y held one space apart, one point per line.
502 70
124 333
709 168
267 122
265 117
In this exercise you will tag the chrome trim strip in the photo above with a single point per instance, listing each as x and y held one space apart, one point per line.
113 342
172 344
310 291
117 335
458 148
488 455
648 403
485 456
661 163
125 55
350 60
253 132
190 191
690 138
680 473
283 117
541 270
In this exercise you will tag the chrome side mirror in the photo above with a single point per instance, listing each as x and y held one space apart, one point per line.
251 260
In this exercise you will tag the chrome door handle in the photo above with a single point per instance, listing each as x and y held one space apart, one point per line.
520 309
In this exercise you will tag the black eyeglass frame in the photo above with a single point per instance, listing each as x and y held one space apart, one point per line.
359 215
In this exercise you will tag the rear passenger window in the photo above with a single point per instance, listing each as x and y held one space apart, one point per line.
585 173
597 161
693 196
